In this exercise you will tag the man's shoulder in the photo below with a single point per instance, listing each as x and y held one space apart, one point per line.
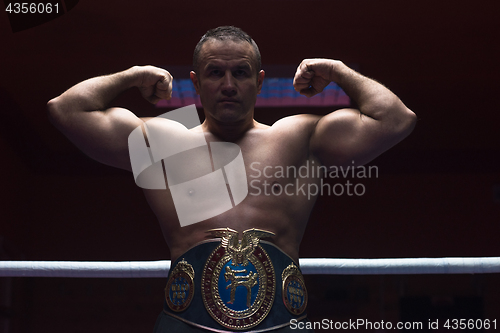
297 124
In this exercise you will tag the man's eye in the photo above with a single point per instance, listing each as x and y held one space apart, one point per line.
240 73
215 72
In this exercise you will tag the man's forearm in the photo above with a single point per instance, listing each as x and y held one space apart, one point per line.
371 97
96 93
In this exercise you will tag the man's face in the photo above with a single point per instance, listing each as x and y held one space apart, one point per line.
227 80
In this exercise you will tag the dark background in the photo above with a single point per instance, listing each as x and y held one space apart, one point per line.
437 193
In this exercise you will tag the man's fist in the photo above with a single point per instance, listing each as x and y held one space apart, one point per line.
313 75
154 83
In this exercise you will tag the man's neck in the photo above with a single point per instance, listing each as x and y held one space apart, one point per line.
229 132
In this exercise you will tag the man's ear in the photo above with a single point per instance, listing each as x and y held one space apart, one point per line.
195 81
260 80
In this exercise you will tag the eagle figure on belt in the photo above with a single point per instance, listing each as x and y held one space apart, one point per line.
240 251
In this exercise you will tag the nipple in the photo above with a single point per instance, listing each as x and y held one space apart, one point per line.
276 188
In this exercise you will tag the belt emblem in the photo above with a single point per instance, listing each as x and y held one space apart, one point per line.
180 287
294 290
238 280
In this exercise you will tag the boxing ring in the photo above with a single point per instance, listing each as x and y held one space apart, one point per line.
159 269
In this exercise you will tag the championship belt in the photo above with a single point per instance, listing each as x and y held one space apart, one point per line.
238 285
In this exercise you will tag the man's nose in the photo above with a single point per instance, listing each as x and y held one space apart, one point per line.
228 84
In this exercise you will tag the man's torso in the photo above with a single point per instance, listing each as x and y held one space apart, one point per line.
278 199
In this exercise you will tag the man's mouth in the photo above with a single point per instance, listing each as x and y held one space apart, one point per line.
228 100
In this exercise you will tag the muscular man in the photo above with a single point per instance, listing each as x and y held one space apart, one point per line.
228 78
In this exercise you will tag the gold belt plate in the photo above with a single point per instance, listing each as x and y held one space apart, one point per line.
238 280
179 291
294 290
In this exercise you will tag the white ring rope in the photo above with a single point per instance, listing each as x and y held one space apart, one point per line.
159 269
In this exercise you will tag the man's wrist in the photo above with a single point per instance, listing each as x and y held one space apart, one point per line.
337 71
132 77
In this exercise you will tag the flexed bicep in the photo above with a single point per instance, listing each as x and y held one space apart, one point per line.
358 135
101 135
347 136
82 113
